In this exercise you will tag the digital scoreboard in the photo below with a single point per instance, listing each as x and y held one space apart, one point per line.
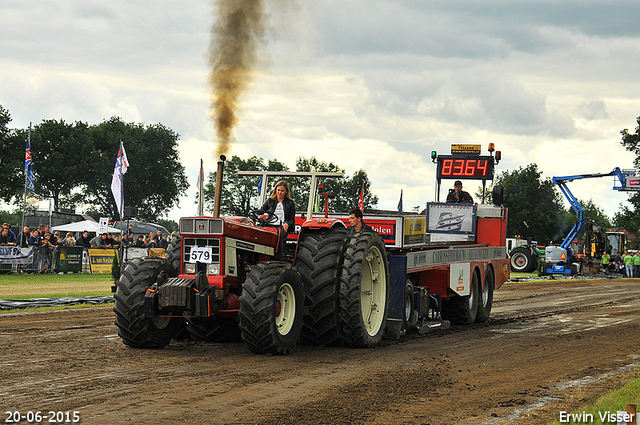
465 167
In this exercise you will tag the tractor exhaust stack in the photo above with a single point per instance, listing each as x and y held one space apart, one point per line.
218 197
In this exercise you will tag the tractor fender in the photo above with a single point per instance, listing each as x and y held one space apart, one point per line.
321 223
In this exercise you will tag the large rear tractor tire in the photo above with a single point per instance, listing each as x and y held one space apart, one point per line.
364 290
319 263
271 308
485 301
172 254
140 326
463 310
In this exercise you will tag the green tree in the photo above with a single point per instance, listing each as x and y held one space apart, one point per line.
534 205
170 225
302 184
240 194
631 142
592 211
60 153
155 177
629 217
12 165
347 190
14 218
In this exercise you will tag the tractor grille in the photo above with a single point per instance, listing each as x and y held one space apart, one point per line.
201 226
188 243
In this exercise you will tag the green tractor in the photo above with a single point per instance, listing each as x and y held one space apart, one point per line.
524 256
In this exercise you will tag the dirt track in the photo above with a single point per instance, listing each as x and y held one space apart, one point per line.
549 346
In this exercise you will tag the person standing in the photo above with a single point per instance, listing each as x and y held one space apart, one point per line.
459 196
23 237
152 243
356 222
7 238
163 242
84 240
12 235
35 239
636 264
606 261
628 263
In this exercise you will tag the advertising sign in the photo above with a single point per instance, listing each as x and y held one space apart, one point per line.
103 225
466 149
70 259
633 183
414 230
101 260
16 255
451 218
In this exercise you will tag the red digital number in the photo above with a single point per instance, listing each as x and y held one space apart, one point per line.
465 167
470 169
446 167
483 167
458 167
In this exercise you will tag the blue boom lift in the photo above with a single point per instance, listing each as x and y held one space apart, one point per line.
561 259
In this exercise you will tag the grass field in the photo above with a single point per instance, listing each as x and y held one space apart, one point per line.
612 402
19 287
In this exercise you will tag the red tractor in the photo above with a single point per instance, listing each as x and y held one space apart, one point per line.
220 281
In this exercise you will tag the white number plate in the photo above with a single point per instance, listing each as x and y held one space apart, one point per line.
200 254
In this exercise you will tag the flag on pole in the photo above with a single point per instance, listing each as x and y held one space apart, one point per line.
361 199
200 185
122 163
28 166
400 203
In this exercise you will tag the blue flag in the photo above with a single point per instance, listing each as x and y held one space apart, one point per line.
400 203
28 167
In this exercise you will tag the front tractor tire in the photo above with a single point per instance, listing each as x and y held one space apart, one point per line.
139 324
319 262
271 308
364 290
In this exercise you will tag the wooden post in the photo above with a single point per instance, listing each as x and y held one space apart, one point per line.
631 410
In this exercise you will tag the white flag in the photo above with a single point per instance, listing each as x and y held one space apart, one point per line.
122 163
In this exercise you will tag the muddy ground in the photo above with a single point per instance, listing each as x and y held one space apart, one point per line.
549 346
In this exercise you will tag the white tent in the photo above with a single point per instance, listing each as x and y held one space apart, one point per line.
88 225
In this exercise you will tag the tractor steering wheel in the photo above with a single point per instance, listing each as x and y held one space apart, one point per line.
259 218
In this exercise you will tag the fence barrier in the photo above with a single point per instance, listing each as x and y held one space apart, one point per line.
66 259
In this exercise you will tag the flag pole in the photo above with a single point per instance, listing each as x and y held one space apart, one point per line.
26 178
201 192
121 247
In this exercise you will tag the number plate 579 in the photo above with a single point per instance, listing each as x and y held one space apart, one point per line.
200 254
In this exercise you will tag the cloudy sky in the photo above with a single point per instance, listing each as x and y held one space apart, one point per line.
366 84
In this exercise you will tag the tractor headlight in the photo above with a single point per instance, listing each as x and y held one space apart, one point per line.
190 268
213 269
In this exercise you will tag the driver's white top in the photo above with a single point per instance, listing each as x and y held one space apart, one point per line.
279 212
